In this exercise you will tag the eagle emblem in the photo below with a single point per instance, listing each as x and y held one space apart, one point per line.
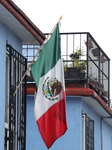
51 88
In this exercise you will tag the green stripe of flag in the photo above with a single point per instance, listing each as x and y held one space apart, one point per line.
48 57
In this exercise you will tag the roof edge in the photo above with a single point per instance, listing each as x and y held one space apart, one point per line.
88 92
23 19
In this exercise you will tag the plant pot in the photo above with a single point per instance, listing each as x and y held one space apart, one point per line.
95 52
82 75
90 44
75 73
102 58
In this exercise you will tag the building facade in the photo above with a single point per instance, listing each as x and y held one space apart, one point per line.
15 29
89 116
6 36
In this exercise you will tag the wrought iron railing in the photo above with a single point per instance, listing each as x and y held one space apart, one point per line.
15 113
83 60
98 70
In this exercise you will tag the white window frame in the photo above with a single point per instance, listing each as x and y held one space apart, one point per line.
86 120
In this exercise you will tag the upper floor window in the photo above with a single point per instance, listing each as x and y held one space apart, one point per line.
88 132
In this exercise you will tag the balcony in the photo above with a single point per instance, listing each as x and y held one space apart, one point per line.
84 61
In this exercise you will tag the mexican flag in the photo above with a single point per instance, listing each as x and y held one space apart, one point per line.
50 106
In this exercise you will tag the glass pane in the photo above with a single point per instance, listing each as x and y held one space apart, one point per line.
30 52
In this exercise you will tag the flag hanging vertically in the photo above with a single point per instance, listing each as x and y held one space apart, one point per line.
50 106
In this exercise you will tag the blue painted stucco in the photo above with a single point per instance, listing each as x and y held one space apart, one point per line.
107 132
72 139
5 35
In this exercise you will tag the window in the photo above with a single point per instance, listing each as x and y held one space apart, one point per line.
15 106
88 133
6 145
29 52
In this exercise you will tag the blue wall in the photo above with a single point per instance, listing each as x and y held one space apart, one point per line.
5 35
72 139
106 129
107 132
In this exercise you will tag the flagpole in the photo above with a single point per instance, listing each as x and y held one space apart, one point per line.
33 61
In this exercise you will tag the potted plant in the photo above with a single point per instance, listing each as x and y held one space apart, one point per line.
77 68
65 69
81 65
76 55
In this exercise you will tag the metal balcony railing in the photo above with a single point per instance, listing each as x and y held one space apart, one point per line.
84 60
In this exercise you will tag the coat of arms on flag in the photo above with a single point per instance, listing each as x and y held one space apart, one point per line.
51 88
50 106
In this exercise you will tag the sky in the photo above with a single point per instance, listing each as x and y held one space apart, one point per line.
78 16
